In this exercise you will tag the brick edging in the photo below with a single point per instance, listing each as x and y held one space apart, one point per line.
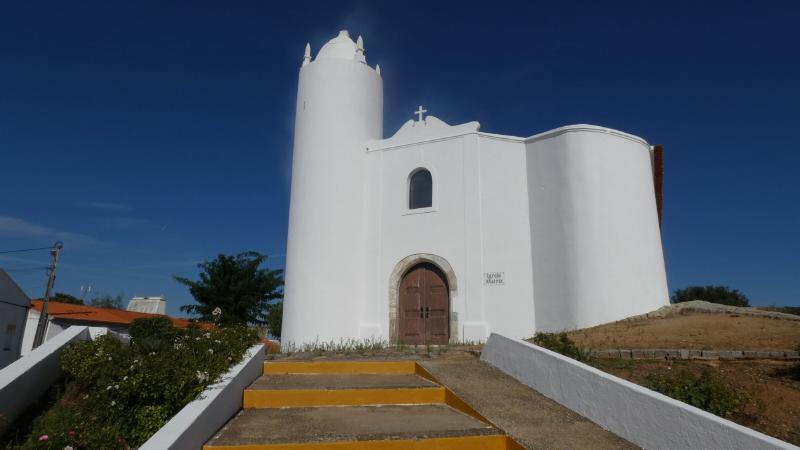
660 353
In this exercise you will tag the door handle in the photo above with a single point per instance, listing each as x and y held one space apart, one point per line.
422 313
427 312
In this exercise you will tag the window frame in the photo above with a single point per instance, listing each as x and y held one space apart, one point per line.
426 209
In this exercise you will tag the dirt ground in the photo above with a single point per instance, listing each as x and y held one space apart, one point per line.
701 331
775 409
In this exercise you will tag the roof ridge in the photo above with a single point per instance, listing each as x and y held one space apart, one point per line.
69 311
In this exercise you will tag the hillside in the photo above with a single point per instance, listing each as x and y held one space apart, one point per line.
772 386
696 325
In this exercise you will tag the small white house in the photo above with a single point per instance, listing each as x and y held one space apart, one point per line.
14 305
443 233
61 316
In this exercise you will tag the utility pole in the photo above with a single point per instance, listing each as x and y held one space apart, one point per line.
40 329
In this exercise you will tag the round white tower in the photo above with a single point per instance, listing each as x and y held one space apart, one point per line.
339 108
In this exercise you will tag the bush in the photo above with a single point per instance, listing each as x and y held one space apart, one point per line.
792 372
127 392
151 335
275 319
714 294
561 343
703 391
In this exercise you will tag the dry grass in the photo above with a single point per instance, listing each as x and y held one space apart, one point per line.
694 331
771 384
776 395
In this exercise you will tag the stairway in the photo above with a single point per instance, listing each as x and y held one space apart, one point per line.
337 405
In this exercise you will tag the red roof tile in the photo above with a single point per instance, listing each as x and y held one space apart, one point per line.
68 311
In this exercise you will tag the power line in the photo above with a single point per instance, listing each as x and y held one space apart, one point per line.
27 289
13 304
23 269
26 250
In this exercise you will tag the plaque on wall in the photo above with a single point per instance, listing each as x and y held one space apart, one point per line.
494 278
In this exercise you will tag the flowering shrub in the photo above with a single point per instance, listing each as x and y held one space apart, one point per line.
125 392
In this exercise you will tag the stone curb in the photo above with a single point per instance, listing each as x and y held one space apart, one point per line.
660 353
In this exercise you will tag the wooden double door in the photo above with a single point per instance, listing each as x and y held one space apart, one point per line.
424 307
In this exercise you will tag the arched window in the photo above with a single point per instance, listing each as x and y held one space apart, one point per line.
420 190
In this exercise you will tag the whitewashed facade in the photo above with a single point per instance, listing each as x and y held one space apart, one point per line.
14 306
554 231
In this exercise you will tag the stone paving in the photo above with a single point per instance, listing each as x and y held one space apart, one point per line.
529 417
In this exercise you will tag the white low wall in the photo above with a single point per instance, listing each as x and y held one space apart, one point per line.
643 417
26 379
197 422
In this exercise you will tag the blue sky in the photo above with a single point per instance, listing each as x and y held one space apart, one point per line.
150 136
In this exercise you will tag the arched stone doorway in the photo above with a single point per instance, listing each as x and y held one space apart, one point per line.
426 315
424 307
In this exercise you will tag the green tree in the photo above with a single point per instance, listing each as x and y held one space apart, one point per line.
66 298
275 318
236 288
107 301
714 294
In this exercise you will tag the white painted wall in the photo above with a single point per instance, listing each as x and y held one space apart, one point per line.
505 239
643 417
339 108
478 223
31 323
55 326
51 330
402 232
26 379
14 305
197 422
12 329
568 216
596 249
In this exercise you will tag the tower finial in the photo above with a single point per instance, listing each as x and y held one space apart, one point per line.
307 55
378 68
360 50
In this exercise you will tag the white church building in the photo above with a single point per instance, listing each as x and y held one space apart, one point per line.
445 233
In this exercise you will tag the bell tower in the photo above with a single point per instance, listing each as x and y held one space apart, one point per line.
339 108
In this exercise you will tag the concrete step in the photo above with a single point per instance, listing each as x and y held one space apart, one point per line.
358 405
420 427
336 389
340 381
340 367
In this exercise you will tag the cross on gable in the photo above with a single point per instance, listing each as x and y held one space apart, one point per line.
419 112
